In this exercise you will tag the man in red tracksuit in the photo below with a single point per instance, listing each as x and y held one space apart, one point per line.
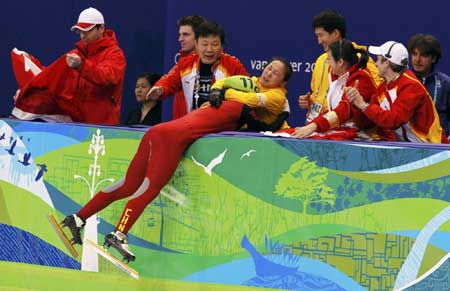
162 147
191 78
401 102
187 26
84 85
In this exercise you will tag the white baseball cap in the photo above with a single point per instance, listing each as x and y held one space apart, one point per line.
394 51
88 19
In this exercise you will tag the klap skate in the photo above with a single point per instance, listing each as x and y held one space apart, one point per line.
119 241
74 224
107 255
68 243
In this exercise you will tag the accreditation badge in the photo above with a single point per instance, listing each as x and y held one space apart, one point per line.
315 111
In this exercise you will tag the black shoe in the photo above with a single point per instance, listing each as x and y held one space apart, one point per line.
75 224
119 241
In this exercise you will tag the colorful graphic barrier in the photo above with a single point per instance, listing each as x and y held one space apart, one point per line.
247 210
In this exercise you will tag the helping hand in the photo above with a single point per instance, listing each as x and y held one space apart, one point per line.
154 93
216 97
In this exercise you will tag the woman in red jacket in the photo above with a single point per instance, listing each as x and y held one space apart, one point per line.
342 120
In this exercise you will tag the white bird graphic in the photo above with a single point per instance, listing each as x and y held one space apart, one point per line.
214 162
247 154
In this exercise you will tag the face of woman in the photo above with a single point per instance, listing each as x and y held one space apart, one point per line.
337 67
141 89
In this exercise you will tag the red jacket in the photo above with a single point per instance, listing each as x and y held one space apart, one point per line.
343 109
91 93
180 80
405 106
99 79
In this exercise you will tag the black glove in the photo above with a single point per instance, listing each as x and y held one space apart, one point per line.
216 97
256 125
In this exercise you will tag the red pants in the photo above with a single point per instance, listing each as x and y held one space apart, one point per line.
157 158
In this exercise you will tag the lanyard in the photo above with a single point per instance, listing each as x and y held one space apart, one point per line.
197 85
196 89
437 83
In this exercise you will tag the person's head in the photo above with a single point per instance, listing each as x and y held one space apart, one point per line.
90 25
186 31
276 73
342 54
392 56
329 26
425 51
144 83
210 38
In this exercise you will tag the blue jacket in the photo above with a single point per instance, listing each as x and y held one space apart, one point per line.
438 86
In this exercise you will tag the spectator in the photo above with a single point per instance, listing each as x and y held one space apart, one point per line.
89 76
187 26
329 26
347 68
425 51
149 111
401 102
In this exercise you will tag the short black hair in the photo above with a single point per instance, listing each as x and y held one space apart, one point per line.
192 20
209 28
287 67
151 78
426 44
330 20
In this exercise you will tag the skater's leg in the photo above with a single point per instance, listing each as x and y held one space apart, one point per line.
126 187
134 179
169 141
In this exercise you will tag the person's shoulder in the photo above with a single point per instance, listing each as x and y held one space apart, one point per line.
229 58
322 58
408 80
443 78
361 74
187 60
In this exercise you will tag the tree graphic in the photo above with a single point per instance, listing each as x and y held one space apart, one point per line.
305 181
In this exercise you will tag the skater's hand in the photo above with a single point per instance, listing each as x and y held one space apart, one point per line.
216 97
73 60
154 93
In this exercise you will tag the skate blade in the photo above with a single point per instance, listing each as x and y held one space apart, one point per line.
65 240
104 253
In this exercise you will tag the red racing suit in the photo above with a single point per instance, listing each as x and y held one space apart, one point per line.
163 145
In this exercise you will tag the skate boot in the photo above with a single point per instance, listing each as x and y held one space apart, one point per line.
119 241
75 224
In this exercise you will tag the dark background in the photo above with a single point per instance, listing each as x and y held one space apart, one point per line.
256 30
